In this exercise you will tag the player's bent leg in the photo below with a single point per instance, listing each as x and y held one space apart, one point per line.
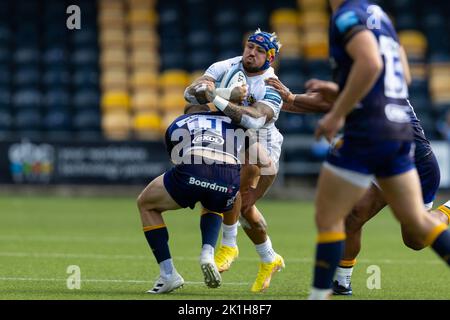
367 207
152 201
228 250
408 238
210 223
403 194
337 192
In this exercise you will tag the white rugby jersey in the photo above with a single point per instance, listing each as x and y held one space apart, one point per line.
258 90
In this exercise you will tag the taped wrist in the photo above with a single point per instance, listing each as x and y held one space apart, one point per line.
220 103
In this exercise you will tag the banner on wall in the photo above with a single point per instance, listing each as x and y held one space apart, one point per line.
27 162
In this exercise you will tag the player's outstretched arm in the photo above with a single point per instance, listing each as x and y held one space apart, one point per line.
310 102
251 117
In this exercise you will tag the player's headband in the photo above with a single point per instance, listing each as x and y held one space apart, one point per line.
269 42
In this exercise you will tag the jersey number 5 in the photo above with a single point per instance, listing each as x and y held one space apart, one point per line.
394 80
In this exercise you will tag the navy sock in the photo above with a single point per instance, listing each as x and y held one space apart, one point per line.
442 246
210 224
330 248
158 240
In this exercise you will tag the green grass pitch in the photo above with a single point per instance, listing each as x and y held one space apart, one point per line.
41 236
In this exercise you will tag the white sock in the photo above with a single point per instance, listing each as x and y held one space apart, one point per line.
207 253
343 276
265 251
229 234
319 294
166 268
447 204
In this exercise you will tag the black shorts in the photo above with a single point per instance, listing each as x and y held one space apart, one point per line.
213 185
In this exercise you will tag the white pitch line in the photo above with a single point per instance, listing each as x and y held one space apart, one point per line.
71 239
109 281
181 258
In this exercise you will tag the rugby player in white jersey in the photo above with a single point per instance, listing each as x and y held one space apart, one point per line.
258 111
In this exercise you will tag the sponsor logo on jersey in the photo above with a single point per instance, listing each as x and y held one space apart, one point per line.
397 113
208 185
206 138
251 99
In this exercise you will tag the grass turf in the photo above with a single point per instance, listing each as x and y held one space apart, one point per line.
41 236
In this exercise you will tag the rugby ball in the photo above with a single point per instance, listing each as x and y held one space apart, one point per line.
233 78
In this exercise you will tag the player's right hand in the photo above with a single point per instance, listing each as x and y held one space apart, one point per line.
284 91
239 94
329 90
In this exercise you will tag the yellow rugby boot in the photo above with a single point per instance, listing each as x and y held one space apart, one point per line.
225 256
265 272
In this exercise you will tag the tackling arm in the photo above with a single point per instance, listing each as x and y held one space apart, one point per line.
310 102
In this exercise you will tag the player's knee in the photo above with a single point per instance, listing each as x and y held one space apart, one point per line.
412 240
143 200
414 244
356 219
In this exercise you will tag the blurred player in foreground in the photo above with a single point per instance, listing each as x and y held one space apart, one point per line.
378 138
205 148
373 201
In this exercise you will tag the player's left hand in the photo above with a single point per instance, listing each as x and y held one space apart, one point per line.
329 125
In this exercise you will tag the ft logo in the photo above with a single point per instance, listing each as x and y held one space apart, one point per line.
374 280
74 20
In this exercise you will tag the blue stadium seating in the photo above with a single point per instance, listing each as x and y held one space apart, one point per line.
27 99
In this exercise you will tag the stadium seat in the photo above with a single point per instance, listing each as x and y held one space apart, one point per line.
6 121
145 59
28 119
143 37
86 120
5 99
56 99
173 101
85 78
144 80
27 99
55 56
57 120
5 77
200 60
115 100
284 18
5 34
27 77
116 125
142 17
84 38
83 57
27 55
415 44
114 36
146 125
114 79
312 5
145 100
174 79
86 99
256 17
57 77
